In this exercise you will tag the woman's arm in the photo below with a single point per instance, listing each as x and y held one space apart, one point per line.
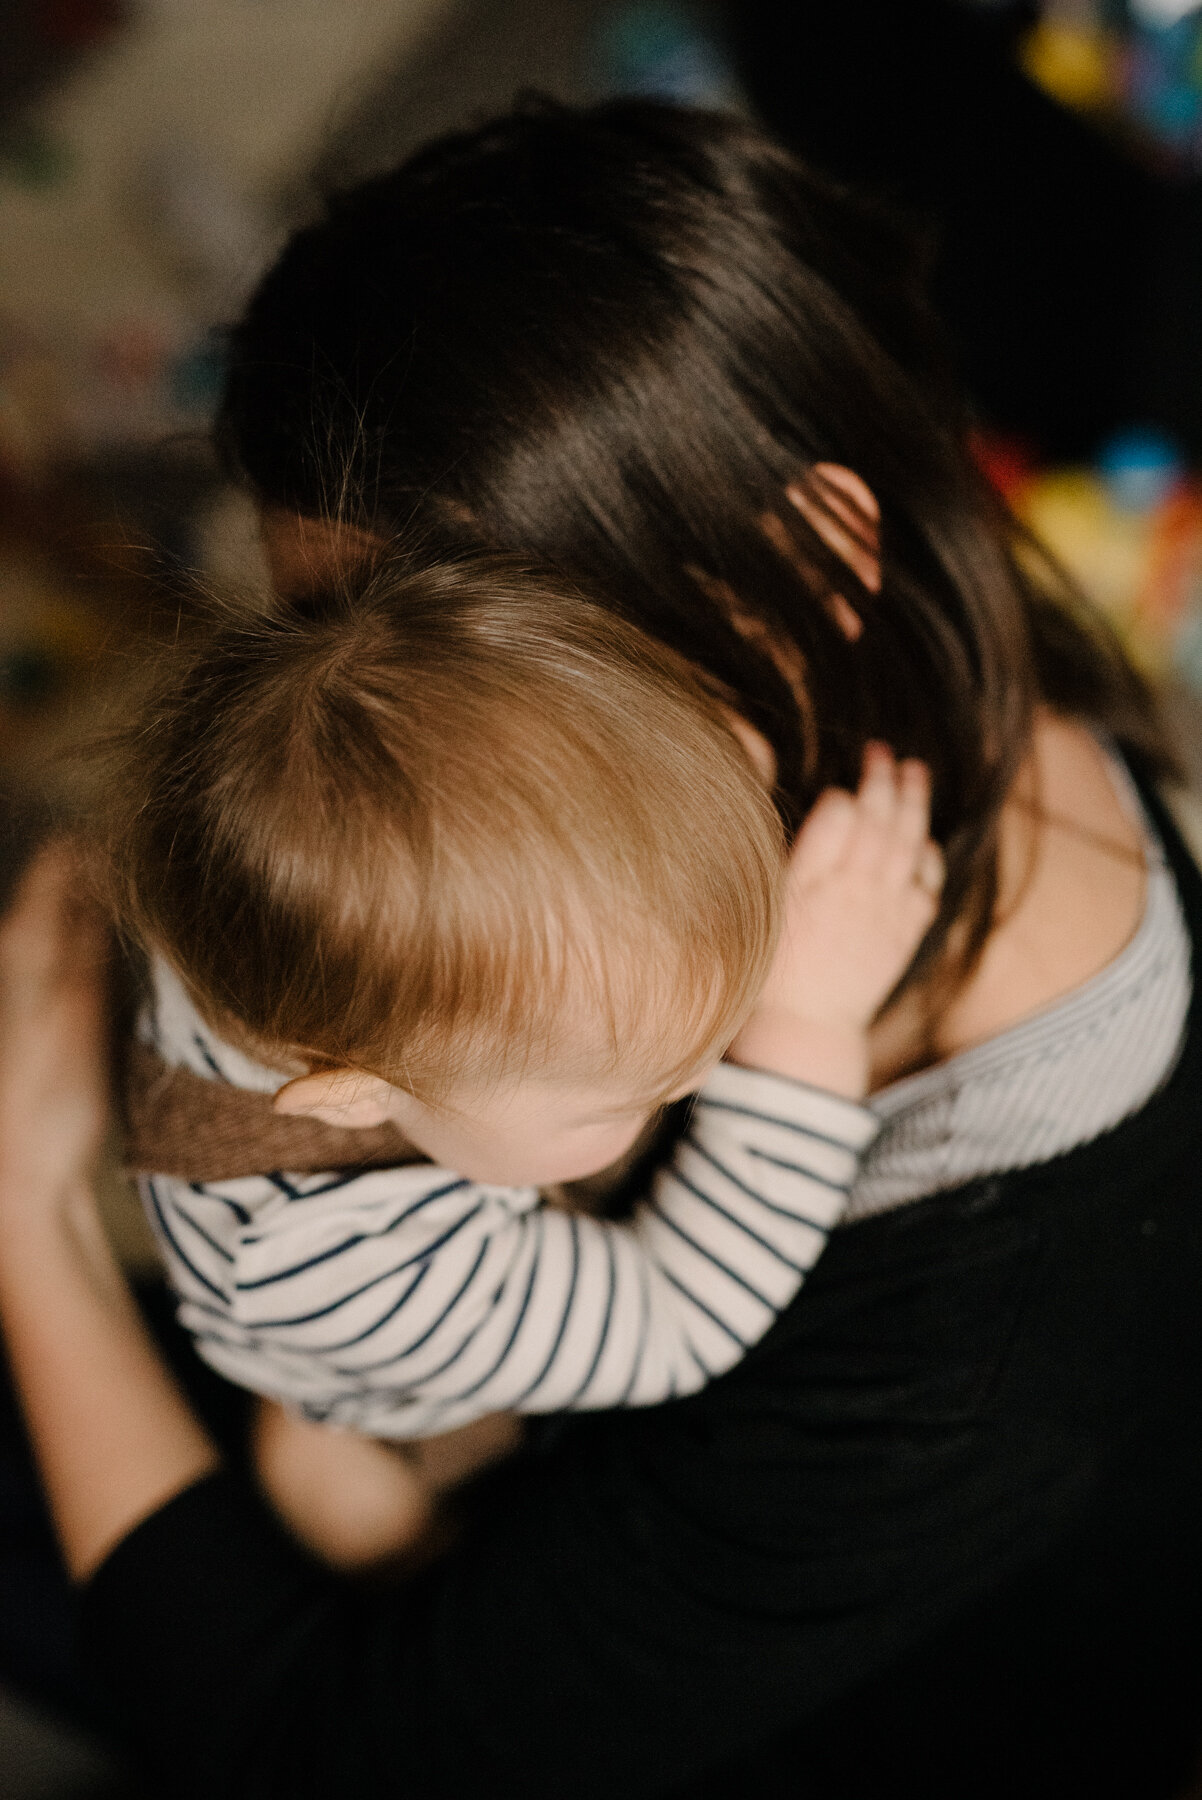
112 1434
113 1437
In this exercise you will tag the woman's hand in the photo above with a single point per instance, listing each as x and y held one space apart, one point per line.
53 1034
113 1437
863 888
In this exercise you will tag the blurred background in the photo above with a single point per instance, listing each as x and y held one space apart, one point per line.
154 152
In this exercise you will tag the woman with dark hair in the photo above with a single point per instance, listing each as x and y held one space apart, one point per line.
939 1533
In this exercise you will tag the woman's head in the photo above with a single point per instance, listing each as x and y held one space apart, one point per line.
457 828
615 339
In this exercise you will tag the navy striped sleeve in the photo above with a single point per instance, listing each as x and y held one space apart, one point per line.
403 1302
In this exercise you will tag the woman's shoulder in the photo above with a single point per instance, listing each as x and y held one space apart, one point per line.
1072 885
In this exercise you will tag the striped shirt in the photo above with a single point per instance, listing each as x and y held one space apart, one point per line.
403 1302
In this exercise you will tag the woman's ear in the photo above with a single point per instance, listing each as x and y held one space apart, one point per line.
337 1097
843 510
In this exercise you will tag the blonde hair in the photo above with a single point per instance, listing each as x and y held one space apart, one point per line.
448 822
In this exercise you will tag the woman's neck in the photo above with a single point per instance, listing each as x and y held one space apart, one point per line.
1071 894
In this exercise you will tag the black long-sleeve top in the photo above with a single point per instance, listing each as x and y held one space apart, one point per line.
968 1462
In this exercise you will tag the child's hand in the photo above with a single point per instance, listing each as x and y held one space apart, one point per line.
863 888
362 1503
354 1501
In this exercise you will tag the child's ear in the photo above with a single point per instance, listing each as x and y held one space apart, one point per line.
759 751
337 1097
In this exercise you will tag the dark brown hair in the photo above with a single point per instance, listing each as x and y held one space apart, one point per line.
612 338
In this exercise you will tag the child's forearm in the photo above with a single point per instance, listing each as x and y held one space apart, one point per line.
825 1055
408 1302
715 1254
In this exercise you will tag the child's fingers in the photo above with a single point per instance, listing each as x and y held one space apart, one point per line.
877 801
918 902
913 802
879 832
931 870
907 832
823 839
877 795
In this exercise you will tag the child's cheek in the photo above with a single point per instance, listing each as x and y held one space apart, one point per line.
596 1151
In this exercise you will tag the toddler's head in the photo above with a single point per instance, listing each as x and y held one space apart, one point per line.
456 847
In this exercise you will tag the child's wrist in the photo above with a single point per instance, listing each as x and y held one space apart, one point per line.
831 1054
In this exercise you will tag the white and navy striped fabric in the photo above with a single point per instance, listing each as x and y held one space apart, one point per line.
403 1302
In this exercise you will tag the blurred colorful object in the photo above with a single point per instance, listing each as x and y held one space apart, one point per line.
665 51
143 181
1129 533
1134 65
1074 63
